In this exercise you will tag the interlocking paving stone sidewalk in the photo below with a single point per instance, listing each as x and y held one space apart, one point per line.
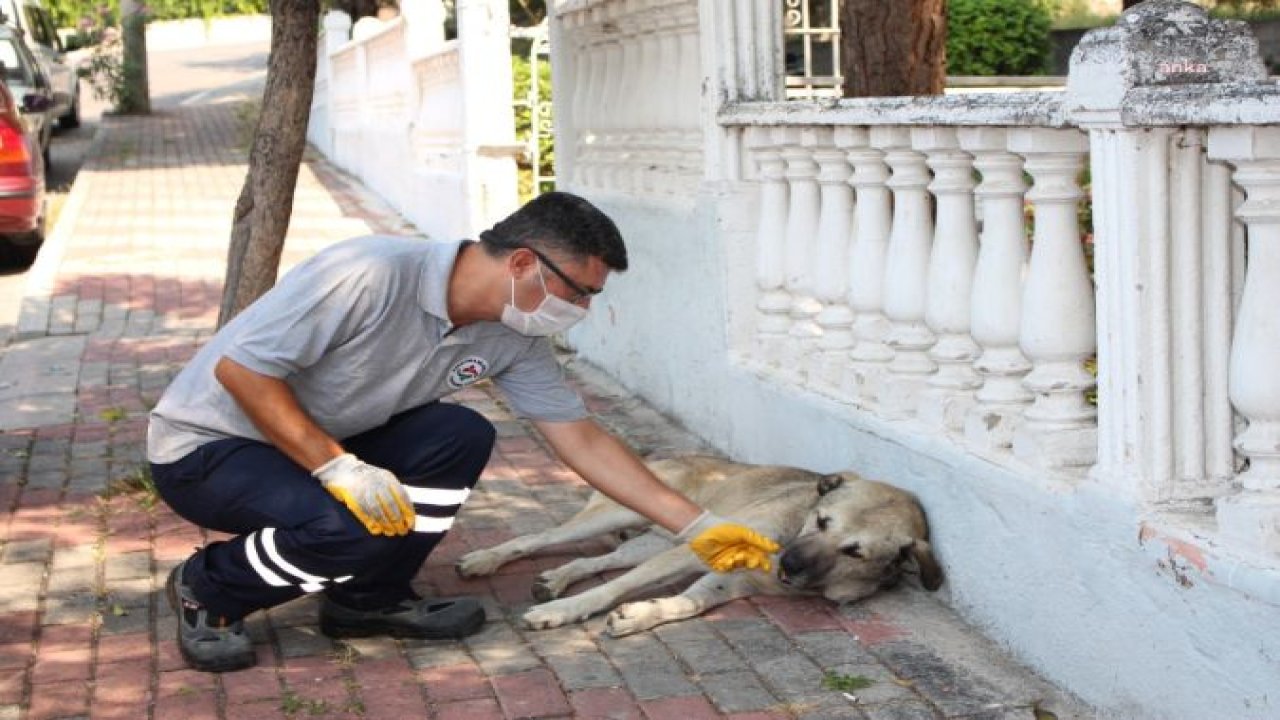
82 552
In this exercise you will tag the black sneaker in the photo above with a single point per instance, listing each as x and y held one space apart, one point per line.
210 644
423 618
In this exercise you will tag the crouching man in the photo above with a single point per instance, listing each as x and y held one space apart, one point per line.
311 427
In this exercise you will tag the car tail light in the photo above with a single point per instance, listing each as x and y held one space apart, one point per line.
15 153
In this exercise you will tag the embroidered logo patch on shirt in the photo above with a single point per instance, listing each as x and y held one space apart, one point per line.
467 371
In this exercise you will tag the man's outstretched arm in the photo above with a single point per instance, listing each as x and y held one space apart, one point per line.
612 468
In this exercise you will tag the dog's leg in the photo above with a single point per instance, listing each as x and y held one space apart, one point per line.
709 591
587 524
670 565
552 583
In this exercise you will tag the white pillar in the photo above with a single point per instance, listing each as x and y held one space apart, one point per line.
906 280
424 26
1058 329
872 223
948 393
1253 515
489 142
835 224
1162 262
337 30
997 291
773 302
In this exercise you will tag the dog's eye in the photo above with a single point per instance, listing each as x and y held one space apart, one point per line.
823 522
853 551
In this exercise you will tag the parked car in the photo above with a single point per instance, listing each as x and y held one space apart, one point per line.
41 36
28 83
22 179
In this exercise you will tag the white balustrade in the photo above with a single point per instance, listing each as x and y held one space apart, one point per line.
802 230
996 304
774 302
835 224
872 223
637 109
906 278
948 394
1253 515
1058 331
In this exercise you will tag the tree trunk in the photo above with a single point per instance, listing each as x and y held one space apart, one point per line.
893 48
266 201
135 96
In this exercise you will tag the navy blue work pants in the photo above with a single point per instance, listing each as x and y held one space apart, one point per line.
293 537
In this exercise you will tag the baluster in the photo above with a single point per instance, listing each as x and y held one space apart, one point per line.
595 134
906 276
997 291
802 229
773 304
606 139
1253 515
625 172
948 394
872 222
832 260
646 114
1058 331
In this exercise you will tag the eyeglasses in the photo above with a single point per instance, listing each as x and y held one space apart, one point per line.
581 293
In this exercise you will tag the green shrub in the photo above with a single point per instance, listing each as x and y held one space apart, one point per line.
997 37
85 13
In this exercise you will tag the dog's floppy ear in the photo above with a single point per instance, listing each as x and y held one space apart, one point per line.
827 483
930 571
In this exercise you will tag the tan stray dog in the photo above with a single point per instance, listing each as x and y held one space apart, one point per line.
842 536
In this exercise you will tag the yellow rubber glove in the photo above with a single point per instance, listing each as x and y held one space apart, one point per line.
726 546
374 495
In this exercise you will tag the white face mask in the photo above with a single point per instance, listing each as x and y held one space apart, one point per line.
552 315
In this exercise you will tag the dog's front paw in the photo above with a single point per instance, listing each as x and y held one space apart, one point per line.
647 614
478 563
552 615
632 618
545 588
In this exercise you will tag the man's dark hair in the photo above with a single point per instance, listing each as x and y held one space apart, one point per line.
559 222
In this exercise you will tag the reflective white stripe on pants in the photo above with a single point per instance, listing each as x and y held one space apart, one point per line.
432 524
440 497
308 582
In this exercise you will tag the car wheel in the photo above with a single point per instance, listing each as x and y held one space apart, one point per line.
23 252
72 118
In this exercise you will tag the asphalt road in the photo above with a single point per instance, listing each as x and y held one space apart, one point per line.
189 76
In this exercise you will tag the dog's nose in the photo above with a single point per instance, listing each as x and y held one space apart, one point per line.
790 564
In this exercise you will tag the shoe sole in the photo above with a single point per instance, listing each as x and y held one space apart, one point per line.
203 665
338 629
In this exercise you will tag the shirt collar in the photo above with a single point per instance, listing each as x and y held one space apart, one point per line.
437 268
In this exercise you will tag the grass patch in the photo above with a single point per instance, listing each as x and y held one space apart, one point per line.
845 683
53 209
138 482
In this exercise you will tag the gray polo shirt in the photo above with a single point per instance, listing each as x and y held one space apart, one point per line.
360 332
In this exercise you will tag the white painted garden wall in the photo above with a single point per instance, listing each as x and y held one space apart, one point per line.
829 285
426 123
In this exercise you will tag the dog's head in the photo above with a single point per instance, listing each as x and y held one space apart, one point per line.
860 537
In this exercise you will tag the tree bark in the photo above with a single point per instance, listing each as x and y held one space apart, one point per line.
135 97
266 200
893 48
